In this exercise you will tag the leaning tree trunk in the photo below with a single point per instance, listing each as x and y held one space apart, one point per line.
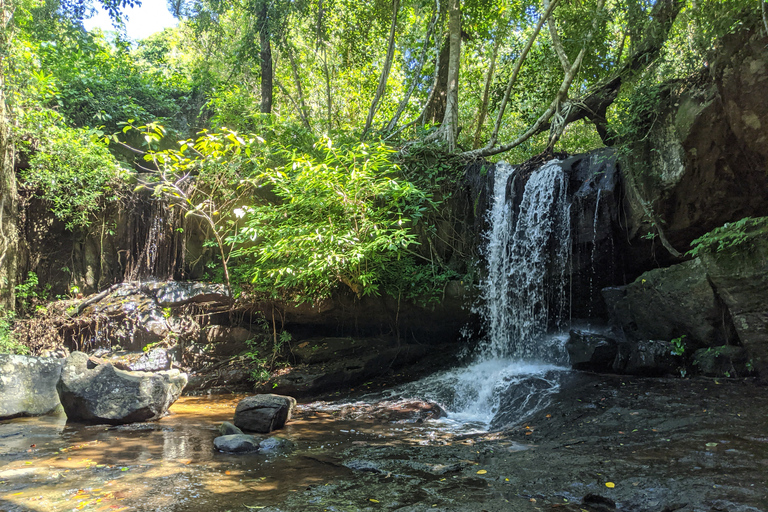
8 196
384 72
265 57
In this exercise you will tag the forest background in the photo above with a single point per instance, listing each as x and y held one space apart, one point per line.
317 143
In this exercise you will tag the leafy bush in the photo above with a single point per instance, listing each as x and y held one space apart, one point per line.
8 345
732 234
68 168
339 218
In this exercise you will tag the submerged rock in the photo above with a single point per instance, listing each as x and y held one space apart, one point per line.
409 410
100 393
28 385
236 443
276 444
228 429
263 413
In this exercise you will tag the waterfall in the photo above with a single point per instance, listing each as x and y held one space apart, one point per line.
523 294
528 262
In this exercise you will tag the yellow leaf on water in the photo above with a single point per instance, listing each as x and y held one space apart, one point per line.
610 485
482 472
373 500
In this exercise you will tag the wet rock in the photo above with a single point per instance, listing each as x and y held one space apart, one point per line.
597 503
101 393
275 444
409 410
263 413
228 429
226 341
236 443
321 350
362 465
171 294
152 361
740 275
28 385
666 303
344 373
591 351
725 361
647 358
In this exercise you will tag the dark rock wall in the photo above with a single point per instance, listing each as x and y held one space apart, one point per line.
704 160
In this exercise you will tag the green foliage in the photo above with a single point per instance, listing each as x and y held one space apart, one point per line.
342 217
678 345
73 172
8 344
732 234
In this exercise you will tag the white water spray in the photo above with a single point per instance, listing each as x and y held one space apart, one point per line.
514 373
528 259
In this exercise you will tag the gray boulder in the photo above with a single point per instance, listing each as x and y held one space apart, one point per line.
591 351
228 429
28 385
100 393
177 293
263 413
236 443
666 303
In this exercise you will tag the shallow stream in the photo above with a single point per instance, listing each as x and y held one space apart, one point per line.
663 444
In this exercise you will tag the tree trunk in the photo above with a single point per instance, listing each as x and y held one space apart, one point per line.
382 87
434 110
449 129
8 195
265 55
303 111
417 73
516 71
482 110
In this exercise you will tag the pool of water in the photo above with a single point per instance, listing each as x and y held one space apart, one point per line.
48 464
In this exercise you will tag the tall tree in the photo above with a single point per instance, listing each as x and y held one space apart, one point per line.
385 70
449 129
8 195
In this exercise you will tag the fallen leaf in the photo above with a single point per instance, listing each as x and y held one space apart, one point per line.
373 500
711 445
482 472
610 485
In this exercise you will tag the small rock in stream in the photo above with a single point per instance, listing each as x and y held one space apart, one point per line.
275 444
263 413
236 443
228 429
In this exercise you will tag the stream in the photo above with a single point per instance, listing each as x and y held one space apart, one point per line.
663 444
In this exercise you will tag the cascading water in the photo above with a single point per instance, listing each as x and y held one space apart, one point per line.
527 263
528 254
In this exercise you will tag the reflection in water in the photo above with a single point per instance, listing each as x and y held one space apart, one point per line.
47 464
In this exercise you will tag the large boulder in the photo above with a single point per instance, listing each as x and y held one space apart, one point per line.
263 413
739 273
667 303
28 385
100 393
725 361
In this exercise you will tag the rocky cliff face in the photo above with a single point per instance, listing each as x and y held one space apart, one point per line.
704 161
